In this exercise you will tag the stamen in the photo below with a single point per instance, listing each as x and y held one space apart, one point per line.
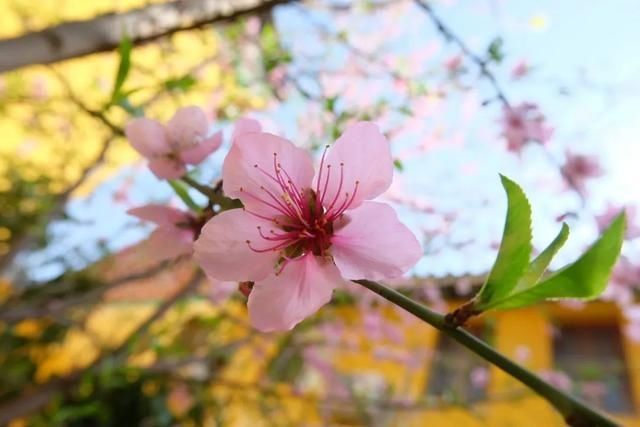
326 185
271 249
286 206
335 199
345 205
260 216
278 208
324 154
277 237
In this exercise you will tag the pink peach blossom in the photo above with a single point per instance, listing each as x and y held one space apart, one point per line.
522 124
299 237
479 377
174 235
557 379
184 140
578 168
454 64
520 70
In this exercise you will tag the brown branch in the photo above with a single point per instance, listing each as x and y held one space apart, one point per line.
104 32
49 308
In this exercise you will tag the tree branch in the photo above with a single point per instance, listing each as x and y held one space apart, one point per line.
104 32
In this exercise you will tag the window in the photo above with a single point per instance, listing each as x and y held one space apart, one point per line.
593 359
456 374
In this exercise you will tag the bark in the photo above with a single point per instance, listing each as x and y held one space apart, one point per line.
104 32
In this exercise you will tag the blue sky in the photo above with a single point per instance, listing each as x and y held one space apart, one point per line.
585 60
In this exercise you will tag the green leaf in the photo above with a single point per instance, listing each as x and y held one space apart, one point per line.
124 103
182 84
397 163
495 50
182 192
585 279
515 248
124 51
539 265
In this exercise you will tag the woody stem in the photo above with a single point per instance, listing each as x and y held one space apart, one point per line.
575 412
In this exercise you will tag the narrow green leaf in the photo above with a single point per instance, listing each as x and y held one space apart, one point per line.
182 192
539 265
515 248
585 279
124 51
180 84
494 50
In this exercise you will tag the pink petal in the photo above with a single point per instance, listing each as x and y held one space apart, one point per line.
169 243
159 214
147 137
244 125
240 171
197 153
278 303
371 243
365 156
187 126
222 250
167 168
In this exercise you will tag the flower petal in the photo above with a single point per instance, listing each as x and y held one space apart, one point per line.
278 303
197 153
187 127
371 243
244 125
249 171
364 155
167 168
222 250
169 243
147 137
159 214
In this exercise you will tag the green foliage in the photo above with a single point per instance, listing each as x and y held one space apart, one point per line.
585 279
494 51
513 282
124 51
272 52
26 204
180 84
515 248
181 191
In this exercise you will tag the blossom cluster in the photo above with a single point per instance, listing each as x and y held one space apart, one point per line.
301 232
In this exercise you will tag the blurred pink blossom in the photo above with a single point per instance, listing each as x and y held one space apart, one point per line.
184 140
522 124
479 377
520 70
298 237
578 168
632 327
454 64
377 327
557 379
174 235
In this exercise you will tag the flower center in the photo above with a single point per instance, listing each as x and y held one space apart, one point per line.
303 220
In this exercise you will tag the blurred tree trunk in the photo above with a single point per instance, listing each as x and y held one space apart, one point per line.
104 32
